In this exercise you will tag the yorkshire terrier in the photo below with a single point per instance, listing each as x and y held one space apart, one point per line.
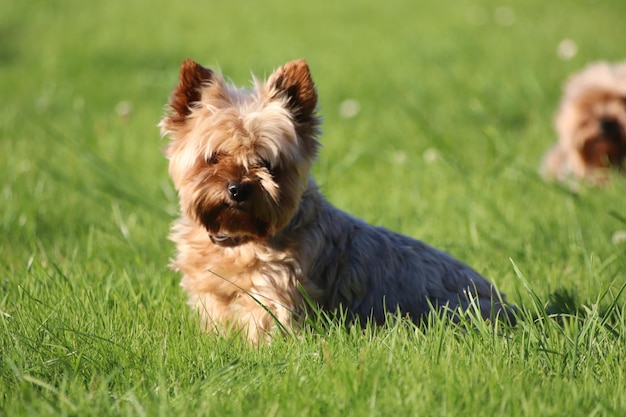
591 126
258 244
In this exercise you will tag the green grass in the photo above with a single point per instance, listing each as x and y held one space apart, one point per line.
455 114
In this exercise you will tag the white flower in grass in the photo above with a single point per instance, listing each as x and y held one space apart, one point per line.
619 237
430 155
349 108
567 49
123 109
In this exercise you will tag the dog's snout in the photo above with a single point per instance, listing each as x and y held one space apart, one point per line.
239 191
611 129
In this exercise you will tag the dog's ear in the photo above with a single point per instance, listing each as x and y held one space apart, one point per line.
293 81
192 78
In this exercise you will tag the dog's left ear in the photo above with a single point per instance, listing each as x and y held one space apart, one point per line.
293 81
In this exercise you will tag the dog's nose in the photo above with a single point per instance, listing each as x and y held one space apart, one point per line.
611 129
239 191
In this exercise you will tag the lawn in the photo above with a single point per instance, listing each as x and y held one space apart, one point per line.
454 104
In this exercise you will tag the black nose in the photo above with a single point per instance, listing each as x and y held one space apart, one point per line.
239 191
611 129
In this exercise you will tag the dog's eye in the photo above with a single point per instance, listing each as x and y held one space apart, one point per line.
267 165
212 159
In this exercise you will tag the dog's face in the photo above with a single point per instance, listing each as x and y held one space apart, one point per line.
600 132
240 159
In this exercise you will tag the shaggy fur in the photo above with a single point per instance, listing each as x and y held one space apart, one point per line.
591 126
255 232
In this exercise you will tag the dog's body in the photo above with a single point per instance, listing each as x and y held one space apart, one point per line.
255 232
591 125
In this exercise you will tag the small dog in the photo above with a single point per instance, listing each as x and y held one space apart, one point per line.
257 241
591 126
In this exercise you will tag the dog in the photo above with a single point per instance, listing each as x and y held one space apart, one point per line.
256 241
590 125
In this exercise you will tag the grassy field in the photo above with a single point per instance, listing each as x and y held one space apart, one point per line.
455 101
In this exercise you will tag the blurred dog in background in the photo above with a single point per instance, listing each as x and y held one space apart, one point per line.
591 126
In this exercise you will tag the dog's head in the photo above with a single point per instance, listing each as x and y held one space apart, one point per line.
240 158
591 121
600 129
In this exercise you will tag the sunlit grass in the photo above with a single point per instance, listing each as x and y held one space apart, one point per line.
455 104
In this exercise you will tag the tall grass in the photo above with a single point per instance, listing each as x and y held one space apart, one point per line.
455 107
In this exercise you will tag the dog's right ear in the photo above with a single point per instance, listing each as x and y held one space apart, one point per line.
192 78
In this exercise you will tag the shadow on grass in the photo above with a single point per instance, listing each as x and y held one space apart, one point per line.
563 307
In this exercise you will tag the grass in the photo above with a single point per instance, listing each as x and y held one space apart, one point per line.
456 101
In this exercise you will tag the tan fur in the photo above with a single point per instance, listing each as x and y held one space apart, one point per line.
591 125
255 232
